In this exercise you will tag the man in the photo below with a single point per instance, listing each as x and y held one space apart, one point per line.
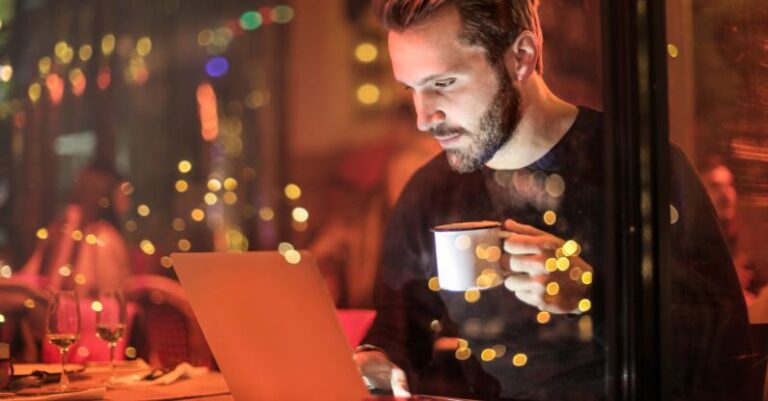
514 150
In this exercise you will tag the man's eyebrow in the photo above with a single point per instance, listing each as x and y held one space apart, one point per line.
429 78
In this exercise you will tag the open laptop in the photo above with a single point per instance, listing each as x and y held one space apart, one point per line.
271 325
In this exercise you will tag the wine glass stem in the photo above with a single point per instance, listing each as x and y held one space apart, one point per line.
64 380
112 359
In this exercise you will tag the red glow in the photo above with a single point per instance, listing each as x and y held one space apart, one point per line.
266 14
209 115
20 119
78 86
55 86
104 78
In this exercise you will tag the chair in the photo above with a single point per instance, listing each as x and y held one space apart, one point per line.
24 310
166 332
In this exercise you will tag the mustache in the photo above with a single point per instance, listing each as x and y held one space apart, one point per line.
447 131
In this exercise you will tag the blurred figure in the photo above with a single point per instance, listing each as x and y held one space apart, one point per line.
718 180
84 247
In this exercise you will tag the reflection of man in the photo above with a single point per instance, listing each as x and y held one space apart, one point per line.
719 183
515 150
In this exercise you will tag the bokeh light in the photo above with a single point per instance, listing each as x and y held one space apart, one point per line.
366 52
282 14
181 186
520 360
368 94
266 213
250 20
108 44
184 166
85 52
6 73
292 256
147 247
197 214
217 67
42 233
550 218
214 185
184 245
144 46
143 210
292 191
300 214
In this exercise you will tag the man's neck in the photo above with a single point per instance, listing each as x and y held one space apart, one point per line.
544 121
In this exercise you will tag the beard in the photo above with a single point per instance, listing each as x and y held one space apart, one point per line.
495 128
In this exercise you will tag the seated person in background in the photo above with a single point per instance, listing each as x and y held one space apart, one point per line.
514 150
718 180
83 247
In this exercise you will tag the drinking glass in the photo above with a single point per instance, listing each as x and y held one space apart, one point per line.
63 328
111 317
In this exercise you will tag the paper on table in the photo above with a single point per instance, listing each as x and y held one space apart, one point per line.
80 395
182 371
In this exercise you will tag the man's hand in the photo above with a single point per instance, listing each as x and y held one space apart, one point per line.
546 270
379 373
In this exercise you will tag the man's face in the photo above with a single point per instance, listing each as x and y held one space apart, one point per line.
470 106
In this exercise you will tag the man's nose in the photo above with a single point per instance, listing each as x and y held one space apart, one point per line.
428 115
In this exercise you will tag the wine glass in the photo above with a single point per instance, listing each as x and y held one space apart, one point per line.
111 316
63 327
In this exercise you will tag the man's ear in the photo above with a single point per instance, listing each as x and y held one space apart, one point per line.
521 56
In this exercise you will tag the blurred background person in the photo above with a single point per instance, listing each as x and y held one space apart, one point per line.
83 247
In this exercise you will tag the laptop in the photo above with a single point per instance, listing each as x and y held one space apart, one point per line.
271 325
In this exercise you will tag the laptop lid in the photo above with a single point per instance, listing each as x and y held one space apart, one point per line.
271 325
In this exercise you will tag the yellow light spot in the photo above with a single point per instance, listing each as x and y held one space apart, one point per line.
554 185
520 360
42 233
77 235
472 295
108 44
143 210
179 224
485 281
559 252
96 306
230 184
147 247
481 251
570 248
126 188
586 278
266 213
543 317
166 262
366 52
60 49
184 166
462 343
91 239
184 245
672 50
205 37
550 218
30 303
488 355
181 186
2 318
585 305
85 52
80 279
34 92
300 214
210 198
368 94
44 65
463 354
550 264
436 326
197 214
553 288
230 198
65 270
6 271
6 73
292 256
585 328
214 185
131 226
434 284
674 215
575 274
83 352
130 352
493 254
563 263
144 46
292 191
284 247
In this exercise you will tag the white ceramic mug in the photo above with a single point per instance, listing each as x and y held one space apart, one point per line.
468 255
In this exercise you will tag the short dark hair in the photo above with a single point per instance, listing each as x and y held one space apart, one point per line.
491 24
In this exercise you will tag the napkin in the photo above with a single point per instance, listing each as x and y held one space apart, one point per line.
78 395
182 371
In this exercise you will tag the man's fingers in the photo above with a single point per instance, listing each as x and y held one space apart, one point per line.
518 244
530 264
523 283
399 383
515 227
531 298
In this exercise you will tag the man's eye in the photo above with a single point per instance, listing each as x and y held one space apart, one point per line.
444 83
